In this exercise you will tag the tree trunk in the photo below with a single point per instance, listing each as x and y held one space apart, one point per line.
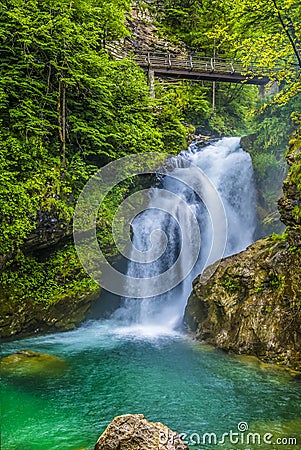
61 108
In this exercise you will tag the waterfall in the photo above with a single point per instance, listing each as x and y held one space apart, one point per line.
229 168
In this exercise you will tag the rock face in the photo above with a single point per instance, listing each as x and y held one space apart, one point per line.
144 33
133 432
26 317
252 303
50 230
290 204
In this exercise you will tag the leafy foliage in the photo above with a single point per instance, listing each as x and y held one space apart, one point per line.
66 108
61 275
203 26
265 32
274 127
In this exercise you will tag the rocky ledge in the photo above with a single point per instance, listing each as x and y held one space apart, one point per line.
252 303
26 317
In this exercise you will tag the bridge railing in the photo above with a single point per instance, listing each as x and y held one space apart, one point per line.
199 64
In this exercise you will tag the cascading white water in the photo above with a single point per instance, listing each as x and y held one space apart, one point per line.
229 168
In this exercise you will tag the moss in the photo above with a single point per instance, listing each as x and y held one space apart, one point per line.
274 280
296 212
294 155
41 292
259 288
294 249
27 277
28 363
231 284
252 304
278 237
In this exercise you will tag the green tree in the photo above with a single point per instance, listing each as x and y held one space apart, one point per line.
67 107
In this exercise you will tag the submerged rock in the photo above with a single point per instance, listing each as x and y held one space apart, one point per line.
134 431
31 363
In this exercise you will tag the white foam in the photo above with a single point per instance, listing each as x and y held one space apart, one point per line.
229 168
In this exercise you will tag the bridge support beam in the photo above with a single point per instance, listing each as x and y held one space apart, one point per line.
151 82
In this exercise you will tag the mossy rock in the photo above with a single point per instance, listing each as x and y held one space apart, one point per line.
29 363
251 304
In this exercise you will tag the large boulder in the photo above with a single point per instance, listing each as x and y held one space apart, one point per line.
251 305
135 432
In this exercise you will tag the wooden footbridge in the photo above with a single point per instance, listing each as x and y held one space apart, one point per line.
201 68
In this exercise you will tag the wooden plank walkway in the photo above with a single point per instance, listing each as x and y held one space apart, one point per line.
202 68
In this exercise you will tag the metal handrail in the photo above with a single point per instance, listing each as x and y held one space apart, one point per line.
194 63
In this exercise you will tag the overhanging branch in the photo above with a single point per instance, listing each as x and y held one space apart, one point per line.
286 30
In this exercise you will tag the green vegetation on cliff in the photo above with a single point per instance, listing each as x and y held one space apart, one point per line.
68 108
268 144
